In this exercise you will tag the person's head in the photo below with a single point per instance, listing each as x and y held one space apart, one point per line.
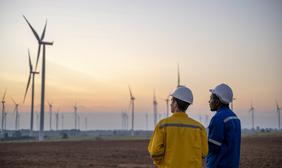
221 96
182 97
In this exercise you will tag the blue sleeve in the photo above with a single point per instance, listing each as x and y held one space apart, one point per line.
216 135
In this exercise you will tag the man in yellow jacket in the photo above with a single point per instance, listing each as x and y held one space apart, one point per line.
179 141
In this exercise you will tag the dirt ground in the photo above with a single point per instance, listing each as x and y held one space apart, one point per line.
256 152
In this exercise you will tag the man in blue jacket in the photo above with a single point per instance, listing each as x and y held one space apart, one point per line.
224 136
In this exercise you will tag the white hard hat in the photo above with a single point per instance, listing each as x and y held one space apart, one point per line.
223 92
183 93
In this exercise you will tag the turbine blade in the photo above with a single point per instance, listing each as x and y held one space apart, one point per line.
38 55
32 29
4 95
27 86
30 64
130 92
44 30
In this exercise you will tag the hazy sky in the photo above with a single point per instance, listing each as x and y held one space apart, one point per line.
101 47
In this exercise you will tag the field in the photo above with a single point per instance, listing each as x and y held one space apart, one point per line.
256 151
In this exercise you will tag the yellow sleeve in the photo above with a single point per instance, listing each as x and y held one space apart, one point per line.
156 146
204 143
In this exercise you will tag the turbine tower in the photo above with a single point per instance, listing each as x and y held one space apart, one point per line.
50 114
278 113
155 105
3 111
85 120
32 74
178 76
62 121
57 120
252 110
147 118
75 116
132 98
167 106
16 110
41 41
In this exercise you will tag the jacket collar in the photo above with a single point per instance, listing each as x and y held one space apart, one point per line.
179 114
222 109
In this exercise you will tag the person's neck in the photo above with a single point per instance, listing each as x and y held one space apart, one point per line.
221 107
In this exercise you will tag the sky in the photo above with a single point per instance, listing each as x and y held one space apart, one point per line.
102 47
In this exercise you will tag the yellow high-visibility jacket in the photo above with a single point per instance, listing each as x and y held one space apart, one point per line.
178 141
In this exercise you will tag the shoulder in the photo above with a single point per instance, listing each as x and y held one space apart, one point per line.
197 123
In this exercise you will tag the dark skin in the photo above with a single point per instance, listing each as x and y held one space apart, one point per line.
215 103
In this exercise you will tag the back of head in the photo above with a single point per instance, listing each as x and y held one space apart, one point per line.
183 97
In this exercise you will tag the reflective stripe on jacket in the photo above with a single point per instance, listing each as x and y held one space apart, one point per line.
178 141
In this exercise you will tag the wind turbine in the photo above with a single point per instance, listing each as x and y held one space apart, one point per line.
155 105
85 120
62 121
57 120
78 121
252 110
75 116
147 118
44 43
278 112
132 98
167 105
16 110
32 74
3 110
178 76
50 114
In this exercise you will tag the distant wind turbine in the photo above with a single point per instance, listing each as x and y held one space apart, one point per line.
147 118
57 120
50 114
252 110
41 41
155 108
62 121
3 111
32 74
132 99
178 76
167 105
75 116
16 110
278 113
85 120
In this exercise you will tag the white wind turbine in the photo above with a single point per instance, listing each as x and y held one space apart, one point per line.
132 99
3 111
278 113
252 111
75 116
155 109
167 105
41 41
178 76
50 114
16 110
32 74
